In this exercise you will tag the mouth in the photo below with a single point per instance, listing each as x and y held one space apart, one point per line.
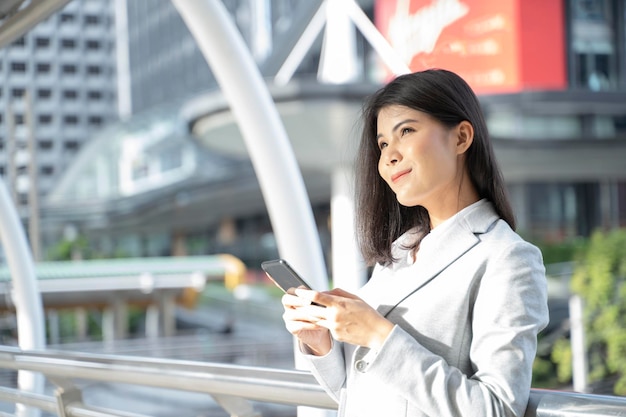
395 177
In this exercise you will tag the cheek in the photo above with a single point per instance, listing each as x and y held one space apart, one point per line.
381 168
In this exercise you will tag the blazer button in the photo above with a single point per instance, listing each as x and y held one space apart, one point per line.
360 365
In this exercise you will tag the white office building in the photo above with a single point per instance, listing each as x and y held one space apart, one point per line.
65 67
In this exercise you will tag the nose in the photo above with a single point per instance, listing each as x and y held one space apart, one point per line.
391 155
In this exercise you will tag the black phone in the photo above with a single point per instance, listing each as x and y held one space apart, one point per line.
283 275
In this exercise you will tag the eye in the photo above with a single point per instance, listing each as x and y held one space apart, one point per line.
406 130
382 145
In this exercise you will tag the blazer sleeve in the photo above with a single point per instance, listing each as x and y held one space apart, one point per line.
329 370
510 308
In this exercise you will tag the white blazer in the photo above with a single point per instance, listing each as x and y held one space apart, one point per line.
467 315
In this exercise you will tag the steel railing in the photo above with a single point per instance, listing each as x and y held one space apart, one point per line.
233 387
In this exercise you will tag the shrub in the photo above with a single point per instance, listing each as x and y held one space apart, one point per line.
599 279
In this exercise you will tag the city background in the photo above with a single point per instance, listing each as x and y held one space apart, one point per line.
116 141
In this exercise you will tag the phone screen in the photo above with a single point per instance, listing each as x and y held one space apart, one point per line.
283 275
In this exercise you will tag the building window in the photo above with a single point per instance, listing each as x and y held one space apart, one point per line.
45 119
560 211
69 69
68 43
47 170
92 45
46 144
44 93
620 125
70 120
20 43
18 92
70 94
42 42
1 169
67 18
94 95
19 119
43 68
71 145
593 44
18 66
91 20
95 120
93 70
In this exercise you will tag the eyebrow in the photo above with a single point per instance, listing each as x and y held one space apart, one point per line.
398 125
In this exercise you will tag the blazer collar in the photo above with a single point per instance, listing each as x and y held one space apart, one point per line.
454 240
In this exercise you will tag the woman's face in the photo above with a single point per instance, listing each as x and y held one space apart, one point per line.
419 157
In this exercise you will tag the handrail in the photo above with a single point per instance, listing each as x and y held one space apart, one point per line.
225 381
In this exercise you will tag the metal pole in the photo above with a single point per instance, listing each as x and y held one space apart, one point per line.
28 306
33 186
579 352
27 18
11 147
264 134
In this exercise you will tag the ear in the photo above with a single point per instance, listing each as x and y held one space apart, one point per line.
465 136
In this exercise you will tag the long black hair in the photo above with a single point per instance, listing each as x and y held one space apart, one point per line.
442 94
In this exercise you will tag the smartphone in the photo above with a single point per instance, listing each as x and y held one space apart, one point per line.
283 275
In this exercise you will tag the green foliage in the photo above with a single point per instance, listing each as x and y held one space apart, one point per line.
79 248
544 373
65 249
599 279
566 251
562 357
67 326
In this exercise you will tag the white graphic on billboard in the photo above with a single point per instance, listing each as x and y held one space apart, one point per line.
418 33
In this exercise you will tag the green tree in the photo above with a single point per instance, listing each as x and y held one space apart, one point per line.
599 279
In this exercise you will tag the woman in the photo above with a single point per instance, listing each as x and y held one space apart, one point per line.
447 325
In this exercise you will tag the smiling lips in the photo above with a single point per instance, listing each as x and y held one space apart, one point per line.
395 177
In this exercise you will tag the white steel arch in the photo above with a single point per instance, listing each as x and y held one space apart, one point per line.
263 132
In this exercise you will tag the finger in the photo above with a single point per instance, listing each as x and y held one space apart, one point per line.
325 298
296 327
309 295
293 301
301 317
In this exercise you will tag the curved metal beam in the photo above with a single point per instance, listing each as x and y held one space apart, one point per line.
27 18
28 305
266 139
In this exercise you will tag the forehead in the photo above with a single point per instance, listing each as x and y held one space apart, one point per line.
397 113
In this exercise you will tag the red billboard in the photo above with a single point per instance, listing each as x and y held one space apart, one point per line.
496 45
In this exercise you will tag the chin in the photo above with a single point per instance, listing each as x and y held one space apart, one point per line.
407 202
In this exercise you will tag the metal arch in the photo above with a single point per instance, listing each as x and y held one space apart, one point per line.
19 22
28 305
266 139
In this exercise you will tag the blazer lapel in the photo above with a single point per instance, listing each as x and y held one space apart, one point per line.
436 255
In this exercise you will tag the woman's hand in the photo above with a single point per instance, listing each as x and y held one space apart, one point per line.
348 318
301 321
